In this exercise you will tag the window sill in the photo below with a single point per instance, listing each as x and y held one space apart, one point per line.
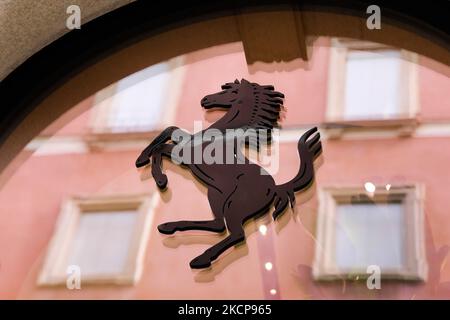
61 281
363 276
402 127
101 141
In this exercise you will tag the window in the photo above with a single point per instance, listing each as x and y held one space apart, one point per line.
372 84
105 237
142 102
357 229
369 234
370 81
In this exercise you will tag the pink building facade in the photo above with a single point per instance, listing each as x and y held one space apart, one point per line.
380 196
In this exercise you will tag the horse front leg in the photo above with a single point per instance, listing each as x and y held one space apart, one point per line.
163 137
158 153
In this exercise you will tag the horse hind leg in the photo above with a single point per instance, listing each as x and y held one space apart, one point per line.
239 207
236 236
216 225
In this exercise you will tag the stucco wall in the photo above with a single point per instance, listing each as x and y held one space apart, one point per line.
30 201
28 26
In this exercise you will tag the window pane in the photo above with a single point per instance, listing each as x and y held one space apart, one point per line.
369 234
139 102
372 88
102 241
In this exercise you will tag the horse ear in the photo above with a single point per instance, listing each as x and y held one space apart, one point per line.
244 81
236 81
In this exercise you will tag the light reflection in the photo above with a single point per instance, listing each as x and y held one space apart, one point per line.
370 187
273 292
263 229
388 187
268 266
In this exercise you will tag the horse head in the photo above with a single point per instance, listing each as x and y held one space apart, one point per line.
250 106
223 99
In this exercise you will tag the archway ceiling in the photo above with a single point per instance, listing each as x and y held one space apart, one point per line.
28 26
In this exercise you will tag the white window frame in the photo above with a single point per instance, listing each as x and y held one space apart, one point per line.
99 127
54 269
409 98
412 196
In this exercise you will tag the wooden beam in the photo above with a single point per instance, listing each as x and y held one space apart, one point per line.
270 36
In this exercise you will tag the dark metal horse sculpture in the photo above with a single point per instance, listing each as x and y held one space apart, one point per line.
237 192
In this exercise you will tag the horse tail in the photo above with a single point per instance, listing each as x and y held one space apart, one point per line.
308 150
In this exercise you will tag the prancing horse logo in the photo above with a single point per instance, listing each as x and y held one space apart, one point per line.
237 192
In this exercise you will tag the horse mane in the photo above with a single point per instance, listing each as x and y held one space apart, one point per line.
263 115
267 107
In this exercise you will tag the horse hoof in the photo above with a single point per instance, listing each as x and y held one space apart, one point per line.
161 182
200 262
167 228
141 162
